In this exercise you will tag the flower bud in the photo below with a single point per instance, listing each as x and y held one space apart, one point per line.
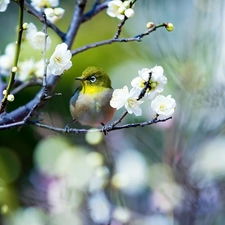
129 13
25 26
10 98
169 27
150 25
14 69
4 92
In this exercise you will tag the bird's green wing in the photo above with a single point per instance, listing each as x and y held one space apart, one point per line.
75 95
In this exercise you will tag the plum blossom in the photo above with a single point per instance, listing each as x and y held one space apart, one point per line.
37 38
122 97
119 9
6 60
4 5
163 106
38 4
156 83
99 208
54 14
60 59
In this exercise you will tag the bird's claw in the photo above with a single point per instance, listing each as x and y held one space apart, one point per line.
104 129
66 129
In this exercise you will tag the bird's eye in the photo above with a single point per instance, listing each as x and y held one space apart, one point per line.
92 79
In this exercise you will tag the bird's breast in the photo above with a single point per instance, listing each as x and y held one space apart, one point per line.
92 108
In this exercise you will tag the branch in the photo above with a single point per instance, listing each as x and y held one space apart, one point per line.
75 23
137 38
105 129
97 8
26 84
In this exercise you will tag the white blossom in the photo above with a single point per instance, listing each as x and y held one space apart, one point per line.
122 97
4 5
53 15
60 59
116 9
38 4
157 81
99 208
119 9
6 60
164 106
39 68
129 13
26 69
37 38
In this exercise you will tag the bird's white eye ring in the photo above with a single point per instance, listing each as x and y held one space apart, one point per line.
92 79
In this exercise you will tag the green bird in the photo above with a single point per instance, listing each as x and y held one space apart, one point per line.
90 103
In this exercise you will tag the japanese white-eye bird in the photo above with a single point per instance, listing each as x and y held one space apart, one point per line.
90 103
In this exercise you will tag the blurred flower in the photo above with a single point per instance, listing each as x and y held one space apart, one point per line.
53 15
4 5
159 220
39 69
166 197
93 137
156 83
31 216
38 4
122 214
131 172
62 197
99 179
209 162
99 207
163 106
60 59
37 38
29 69
6 60
122 97
117 8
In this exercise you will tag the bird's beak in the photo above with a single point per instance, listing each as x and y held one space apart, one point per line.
79 78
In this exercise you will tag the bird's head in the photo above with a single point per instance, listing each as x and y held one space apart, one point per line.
94 79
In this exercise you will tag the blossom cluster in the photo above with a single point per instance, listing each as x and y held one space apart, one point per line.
149 84
120 9
31 68
50 8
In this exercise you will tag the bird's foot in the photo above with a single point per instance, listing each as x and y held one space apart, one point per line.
104 129
66 129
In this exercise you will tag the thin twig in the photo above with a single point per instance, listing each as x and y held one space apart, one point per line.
121 24
26 84
45 48
97 8
16 58
137 38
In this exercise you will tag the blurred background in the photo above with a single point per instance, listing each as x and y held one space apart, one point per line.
168 173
